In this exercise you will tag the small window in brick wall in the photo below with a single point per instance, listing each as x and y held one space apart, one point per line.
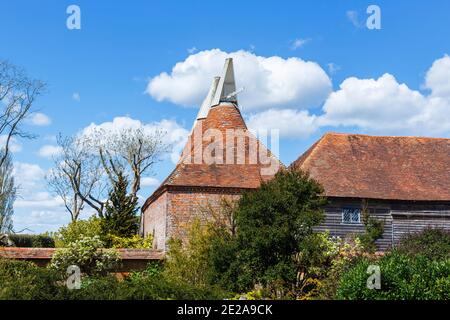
351 215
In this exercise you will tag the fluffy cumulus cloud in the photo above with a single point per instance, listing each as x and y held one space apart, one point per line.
380 106
35 209
384 105
270 82
174 134
380 103
438 78
40 119
290 122
49 151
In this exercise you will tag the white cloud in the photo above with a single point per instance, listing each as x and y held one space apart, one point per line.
14 145
28 176
48 151
381 106
438 78
76 96
270 82
374 104
298 43
40 119
289 122
149 182
175 134
35 208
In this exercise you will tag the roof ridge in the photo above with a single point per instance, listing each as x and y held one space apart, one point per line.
381 136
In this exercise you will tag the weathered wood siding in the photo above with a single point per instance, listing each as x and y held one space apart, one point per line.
400 218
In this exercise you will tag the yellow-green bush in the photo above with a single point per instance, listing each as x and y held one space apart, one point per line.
76 230
133 242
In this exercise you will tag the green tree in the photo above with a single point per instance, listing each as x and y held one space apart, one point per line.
273 225
120 218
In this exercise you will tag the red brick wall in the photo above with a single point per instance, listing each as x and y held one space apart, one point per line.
174 212
154 220
132 259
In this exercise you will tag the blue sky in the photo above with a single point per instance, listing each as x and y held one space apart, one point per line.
343 76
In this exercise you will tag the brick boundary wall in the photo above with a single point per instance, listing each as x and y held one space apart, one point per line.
132 259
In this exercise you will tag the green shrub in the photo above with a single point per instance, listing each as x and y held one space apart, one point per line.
32 240
272 224
141 286
88 255
133 242
402 277
76 230
432 243
23 280
162 288
190 263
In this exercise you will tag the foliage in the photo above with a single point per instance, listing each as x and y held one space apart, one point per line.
88 255
273 225
133 242
76 230
32 240
23 280
402 277
140 288
373 227
190 263
7 195
344 254
120 217
432 243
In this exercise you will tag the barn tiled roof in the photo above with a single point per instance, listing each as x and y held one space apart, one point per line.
244 174
394 168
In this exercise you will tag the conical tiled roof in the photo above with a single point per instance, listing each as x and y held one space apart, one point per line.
233 164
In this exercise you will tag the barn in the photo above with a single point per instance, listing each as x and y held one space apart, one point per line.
403 181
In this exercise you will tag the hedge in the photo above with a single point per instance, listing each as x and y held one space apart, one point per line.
32 241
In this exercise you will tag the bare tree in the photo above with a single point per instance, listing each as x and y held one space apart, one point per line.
7 196
90 164
17 95
131 150
18 92
77 176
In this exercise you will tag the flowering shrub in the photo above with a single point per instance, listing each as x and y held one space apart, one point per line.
86 253
344 254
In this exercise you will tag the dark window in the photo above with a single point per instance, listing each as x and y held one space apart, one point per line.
351 215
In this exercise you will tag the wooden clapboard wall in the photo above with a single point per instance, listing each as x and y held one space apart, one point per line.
400 218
